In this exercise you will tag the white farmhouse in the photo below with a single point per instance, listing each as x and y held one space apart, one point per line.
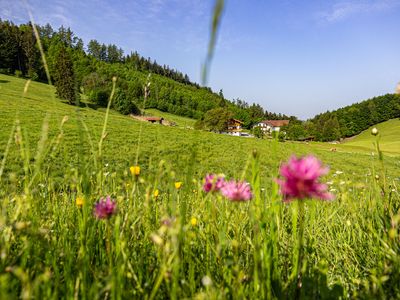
271 125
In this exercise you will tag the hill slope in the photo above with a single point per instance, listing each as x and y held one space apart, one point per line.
213 152
389 142
178 120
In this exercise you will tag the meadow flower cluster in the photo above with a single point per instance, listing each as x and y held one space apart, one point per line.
233 190
213 183
105 208
300 181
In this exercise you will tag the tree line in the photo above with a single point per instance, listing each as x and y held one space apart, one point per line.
347 121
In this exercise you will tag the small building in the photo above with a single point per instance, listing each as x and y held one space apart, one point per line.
307 139
234 127
271 125
154 119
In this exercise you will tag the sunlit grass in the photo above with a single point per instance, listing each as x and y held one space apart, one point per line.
178 120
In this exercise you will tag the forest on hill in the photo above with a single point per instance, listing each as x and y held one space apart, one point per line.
89 71
347 121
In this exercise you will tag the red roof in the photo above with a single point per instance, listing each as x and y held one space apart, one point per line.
152 119
235 120
276 123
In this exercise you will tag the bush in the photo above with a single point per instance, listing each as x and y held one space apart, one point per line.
199 125
258 132
282 136
34 76
5 70
18 73
100 97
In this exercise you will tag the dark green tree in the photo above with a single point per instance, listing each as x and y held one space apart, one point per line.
331 130
64 78
217 119
30 50
114 54
94 49
294 131
124 104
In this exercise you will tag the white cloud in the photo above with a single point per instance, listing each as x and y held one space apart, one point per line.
18 11
345 9
13 10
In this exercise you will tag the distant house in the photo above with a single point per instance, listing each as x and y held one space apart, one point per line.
234 127
307 139
154 119
271 125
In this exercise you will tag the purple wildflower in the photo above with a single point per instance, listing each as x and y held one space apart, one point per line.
237 190
213 183
302 179
105 208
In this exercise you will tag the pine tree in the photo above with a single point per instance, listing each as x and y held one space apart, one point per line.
94 49
64 77
30 50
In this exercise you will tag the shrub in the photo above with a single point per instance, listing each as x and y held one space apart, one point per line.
18 73
99 96
5 70
258 132
34 76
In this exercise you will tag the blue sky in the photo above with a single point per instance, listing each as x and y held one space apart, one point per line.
296 57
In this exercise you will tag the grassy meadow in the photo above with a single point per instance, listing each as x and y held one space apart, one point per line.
169 242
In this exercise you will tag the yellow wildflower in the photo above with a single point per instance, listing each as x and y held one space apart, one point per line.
79 201
135 170
193 221
156 193
178 185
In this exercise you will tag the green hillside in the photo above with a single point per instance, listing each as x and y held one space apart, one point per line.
214 152
389 133
364 143
178 120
